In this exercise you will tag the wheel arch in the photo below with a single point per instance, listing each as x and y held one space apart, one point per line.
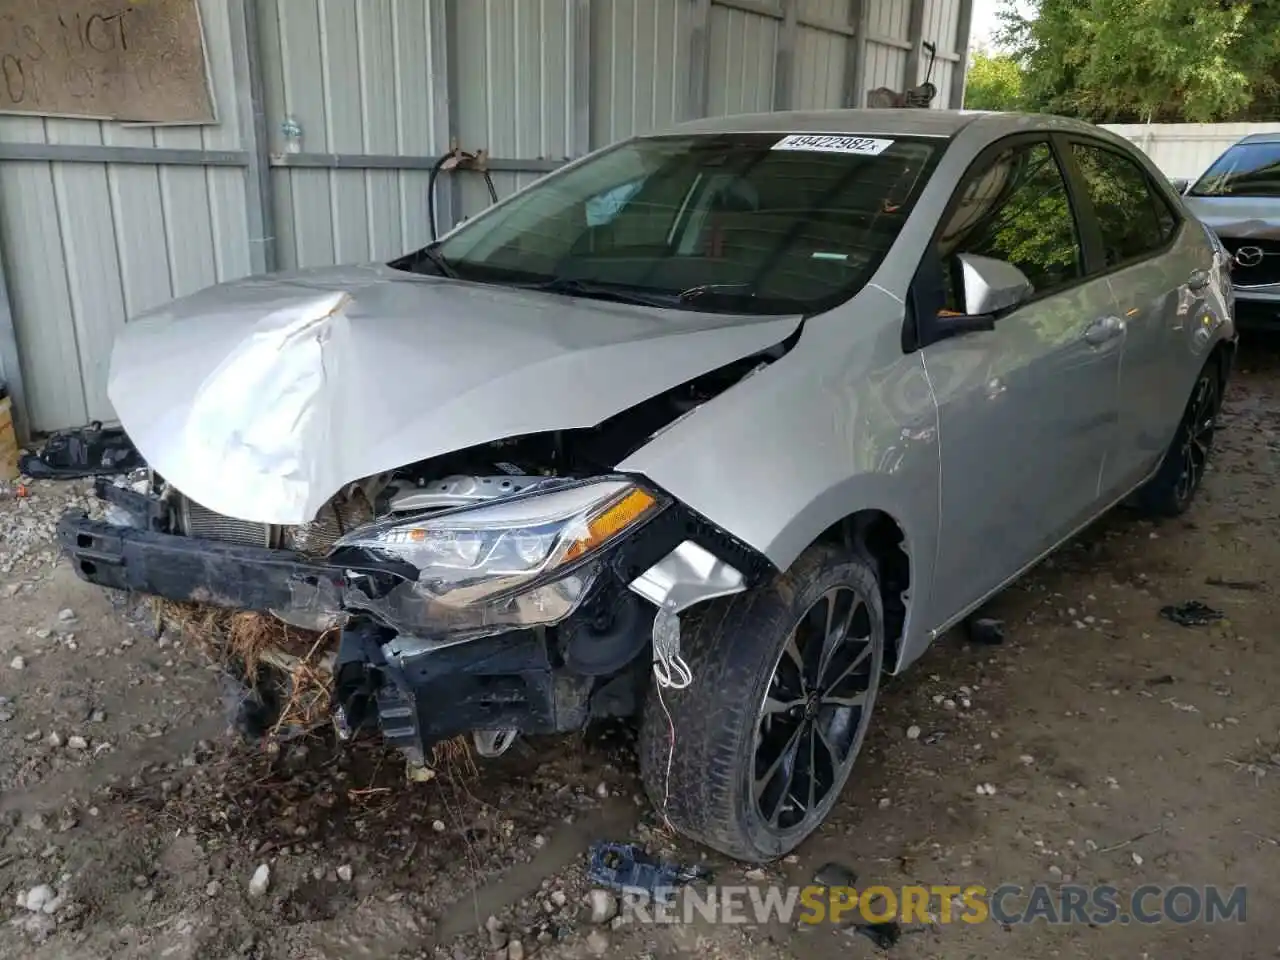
882 538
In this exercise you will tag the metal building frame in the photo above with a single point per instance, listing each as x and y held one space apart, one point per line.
257 161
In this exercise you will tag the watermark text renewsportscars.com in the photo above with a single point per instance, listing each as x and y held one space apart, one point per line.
1008 904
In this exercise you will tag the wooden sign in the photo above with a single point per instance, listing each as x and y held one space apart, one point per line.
135 60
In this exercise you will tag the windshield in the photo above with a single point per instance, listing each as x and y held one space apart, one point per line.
744 223
1246 170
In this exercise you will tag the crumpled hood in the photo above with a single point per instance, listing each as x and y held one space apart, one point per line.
261 398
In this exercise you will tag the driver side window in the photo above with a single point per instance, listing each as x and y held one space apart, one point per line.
1015 209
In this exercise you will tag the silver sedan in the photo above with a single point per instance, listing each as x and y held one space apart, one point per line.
714 427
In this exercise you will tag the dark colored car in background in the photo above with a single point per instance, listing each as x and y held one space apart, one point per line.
1238 197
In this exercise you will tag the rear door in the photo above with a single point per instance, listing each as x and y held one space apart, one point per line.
1028 410
1158 264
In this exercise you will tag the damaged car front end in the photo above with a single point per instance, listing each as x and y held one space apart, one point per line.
492 605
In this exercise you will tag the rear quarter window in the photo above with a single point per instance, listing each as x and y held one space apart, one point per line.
1135 220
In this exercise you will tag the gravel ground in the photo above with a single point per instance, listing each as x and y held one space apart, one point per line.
1099 744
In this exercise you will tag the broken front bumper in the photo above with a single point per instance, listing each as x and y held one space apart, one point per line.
421 689
200 571
505 681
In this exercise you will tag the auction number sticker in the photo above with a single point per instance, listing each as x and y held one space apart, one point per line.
829 143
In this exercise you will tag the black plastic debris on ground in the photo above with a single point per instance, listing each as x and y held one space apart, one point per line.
883 935
92 451
628 868
985 630
1193 613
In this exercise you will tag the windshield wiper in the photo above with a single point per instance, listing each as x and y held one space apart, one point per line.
737 297
431 252
592 289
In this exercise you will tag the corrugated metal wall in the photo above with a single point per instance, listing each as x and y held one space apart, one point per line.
1187 149
331 113
86 245
355 78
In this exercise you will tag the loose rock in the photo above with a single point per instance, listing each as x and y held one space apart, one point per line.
604 906
260 880
345 873
38 896
18 663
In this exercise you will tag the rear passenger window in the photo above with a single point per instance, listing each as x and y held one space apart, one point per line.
1134 219
1015 209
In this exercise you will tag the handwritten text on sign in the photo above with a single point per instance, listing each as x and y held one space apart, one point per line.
139 60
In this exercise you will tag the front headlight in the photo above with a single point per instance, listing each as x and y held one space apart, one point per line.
470 555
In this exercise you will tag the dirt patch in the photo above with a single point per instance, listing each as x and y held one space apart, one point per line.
1121 748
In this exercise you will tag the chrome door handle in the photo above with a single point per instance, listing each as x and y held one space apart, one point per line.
1102 330
1198 280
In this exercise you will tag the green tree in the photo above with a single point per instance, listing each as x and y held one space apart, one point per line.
1158 60
993 83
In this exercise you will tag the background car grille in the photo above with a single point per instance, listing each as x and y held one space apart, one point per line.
1267 271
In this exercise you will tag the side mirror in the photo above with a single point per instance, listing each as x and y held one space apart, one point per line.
991 286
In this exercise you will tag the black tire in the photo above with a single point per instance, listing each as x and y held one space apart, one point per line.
1173 488
735 648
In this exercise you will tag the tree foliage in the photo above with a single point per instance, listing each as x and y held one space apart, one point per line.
1149 60
994 82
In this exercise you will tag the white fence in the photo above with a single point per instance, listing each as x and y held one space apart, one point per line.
1187 149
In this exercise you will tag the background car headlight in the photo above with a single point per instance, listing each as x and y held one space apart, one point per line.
466 556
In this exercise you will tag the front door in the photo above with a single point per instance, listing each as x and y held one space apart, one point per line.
1027 411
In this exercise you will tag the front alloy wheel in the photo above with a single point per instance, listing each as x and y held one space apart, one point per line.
815 710
759 746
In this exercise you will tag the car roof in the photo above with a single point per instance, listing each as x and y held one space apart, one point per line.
904 122
1269 137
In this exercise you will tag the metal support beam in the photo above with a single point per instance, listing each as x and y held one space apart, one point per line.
581 81
784 59
698 102
444 79
10 362
915 35
93 153
251 115
960 72
393 161
855 69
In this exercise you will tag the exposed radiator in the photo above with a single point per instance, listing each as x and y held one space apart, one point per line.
197 521
339 516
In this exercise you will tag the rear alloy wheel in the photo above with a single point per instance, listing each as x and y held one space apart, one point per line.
760 745
1173 488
